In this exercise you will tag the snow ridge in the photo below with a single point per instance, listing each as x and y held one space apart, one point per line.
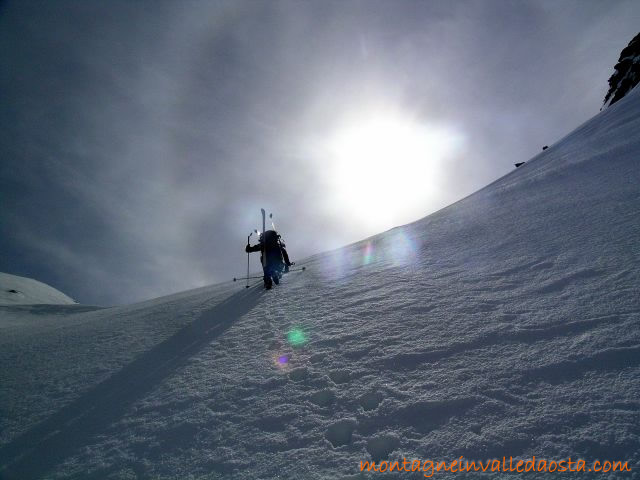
15 290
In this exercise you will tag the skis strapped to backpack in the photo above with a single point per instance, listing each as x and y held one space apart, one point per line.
264 256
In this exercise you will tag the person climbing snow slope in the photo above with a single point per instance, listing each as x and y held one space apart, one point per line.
274 257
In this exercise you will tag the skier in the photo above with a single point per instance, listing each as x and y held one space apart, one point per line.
273 255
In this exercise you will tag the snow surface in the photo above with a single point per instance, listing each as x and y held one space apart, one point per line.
15 290
504 324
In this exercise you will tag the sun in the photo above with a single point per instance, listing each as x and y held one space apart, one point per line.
385 168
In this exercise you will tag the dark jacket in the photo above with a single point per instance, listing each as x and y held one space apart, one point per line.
276 255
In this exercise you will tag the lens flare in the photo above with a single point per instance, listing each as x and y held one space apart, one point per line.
334 265
296 337
281 360
402 249
368 254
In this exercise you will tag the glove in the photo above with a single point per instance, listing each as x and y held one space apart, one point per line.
246 249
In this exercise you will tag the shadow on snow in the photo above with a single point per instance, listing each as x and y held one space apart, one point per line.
37 451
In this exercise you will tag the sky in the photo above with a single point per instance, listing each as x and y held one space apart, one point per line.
139 140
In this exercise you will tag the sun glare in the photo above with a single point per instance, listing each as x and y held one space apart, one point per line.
386 169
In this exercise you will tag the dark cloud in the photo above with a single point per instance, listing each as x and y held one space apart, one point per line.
139 139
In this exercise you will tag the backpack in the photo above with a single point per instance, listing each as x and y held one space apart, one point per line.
271 245
270 240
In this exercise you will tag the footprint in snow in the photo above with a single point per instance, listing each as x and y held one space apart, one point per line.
339 376
381 446
323 398
370 401
340 432
299 374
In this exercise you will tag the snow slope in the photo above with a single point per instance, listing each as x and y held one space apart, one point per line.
504 324
15 290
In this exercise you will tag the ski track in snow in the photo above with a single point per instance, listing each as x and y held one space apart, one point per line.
504 324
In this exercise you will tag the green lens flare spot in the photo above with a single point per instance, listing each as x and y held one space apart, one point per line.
296 337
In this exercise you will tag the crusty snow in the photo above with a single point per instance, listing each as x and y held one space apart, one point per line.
505 324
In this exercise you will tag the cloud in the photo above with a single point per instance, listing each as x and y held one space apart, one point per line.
139 144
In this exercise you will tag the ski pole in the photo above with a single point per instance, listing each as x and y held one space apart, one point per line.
301 269
235 279
248 245
263 252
